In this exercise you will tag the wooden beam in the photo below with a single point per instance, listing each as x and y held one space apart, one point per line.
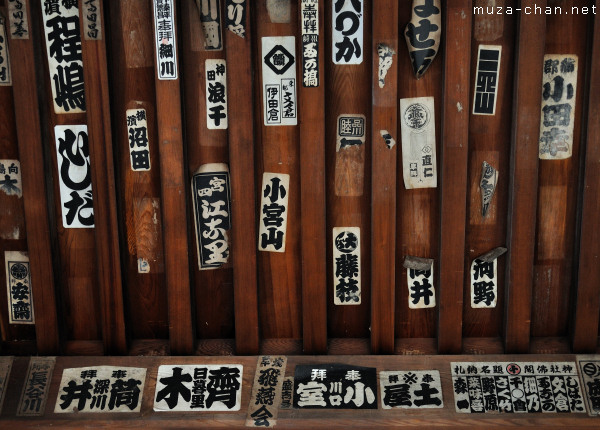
104 193
312 188
523 185
454 167
33 175
383 181
584 327
174 215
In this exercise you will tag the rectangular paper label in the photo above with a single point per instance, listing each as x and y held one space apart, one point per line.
216 94
279 80
5 73
273 212
347 31
63 48
417 117
486 80
266 391
92 24
18 285
346 266
137 132
17 15
36 387
198 387
309 13
164 39
415 389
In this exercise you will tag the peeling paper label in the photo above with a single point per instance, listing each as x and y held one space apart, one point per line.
387 137
309 13
559 92
385 61
92 25
18 288
100 389
273 212
36 387
235 19
5 73
417 118
516 387
346 266
164 39
10 178
212 214
143 265
63 48
486 81
415 389
421 290
198 387
266 391
351 130
489 179
216 94
279 11
139 148
210 16
423 34
279 80
75 173
17 15
347 31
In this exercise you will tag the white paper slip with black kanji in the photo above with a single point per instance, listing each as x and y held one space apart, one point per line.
18 286
211 196
137 132
421 290
164 40
486 80
335 386
266 391
273 212
75 175
279 80
346 266
415 389
63 48
17 15
484 283
216 94
309 15
36 387
516 387
589 368
5 74
417 120
287 392
10 178
347 31
559 91
198 387
100 389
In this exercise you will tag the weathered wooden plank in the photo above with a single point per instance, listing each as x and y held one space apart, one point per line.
523 183
238 53
489 141
174 196
454 166
33 175
554 267
312 188
348 92
104 193
132 80
584 322
277 151
417 226
384 114
205 146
